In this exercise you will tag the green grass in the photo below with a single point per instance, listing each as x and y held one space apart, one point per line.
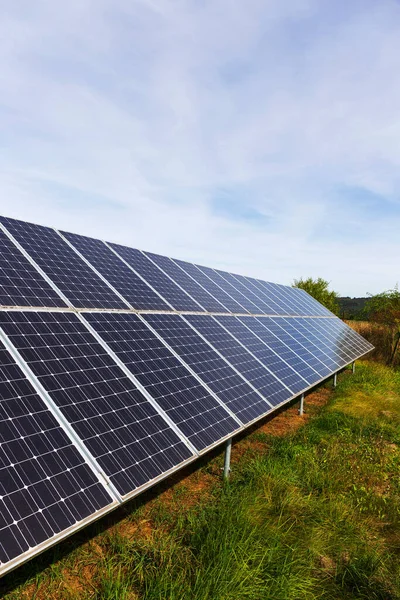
315 515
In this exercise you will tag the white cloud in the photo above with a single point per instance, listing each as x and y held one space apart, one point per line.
129 120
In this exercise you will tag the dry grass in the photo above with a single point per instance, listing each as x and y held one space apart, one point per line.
381 336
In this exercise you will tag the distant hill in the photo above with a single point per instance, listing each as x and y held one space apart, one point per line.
350 308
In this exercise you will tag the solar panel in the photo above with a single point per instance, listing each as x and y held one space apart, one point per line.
130 440
98 404
312 307
189 405
117 273
212 288
270 351
272 308
46 487
194 289
253 302
345 339
170 292
214 370
76 280
269 385
295 353
298 361
219 280
20 283
289 325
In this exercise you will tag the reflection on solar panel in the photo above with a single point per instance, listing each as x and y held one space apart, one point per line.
212 288
121 429
121 277
198 293
286 331
197 414
97 402
248 298
46 487
20 283
268 350
272 336
271 388
176 297
220 281
272 308
215 371
76 280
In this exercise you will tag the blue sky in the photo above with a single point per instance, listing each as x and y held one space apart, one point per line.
262 137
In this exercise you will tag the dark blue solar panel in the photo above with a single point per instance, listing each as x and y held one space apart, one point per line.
311 306
76 280
45 484
224 381
117 273
225 285
176 297
132 443
248 366
211 287
189 405
264 349
270 334
294 337
271 307
194 289
20 283
278 295
288 335
253 301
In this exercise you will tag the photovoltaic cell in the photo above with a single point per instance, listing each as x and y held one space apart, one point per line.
176 297
264 350
312 307
328 345
45 484
219 280
131 442
194 289
346 340
63 266
252 302
249 367
189 405
20 283
224 381
270 334
313 349
117 273
211 287
272 308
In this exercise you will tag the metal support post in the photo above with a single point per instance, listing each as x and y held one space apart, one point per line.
335 380
227 460
353 366
301 409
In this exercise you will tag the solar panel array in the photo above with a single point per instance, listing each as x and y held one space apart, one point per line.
118 367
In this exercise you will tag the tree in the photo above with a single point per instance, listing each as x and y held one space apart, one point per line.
384 308
319 289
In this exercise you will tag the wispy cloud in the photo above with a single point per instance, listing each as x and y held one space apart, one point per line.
259 136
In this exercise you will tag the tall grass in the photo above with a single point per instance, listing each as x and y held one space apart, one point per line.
382 337
312 517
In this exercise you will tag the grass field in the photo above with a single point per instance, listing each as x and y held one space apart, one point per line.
311 511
